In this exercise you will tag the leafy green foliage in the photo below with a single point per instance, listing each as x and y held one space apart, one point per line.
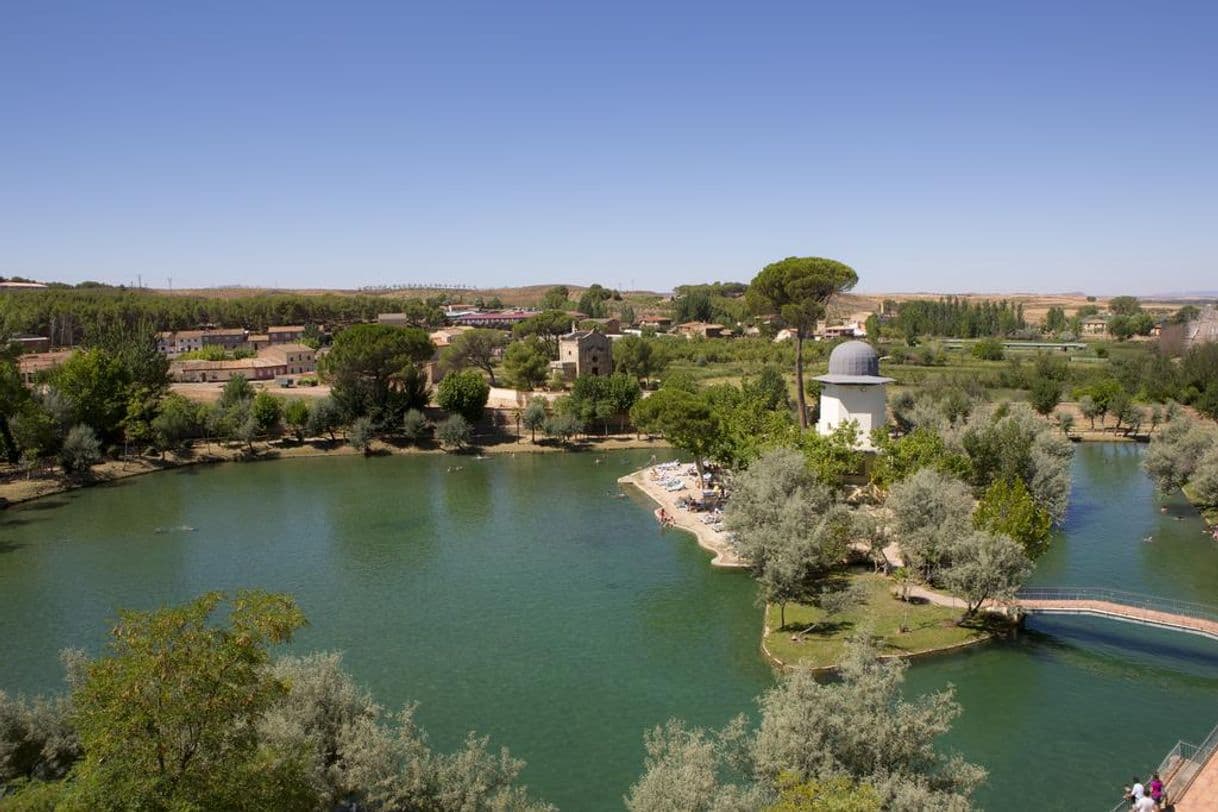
474 348
686 419
414 425
1008 509
988 349
899 458
600 398
986 566
296 417
797 290
375 373
464 393
786 525
858 732
527 363
952 317
641 357
837 794
547 325
930 513
562 425
324 418
454 432
266 410
534 416
556 298
95 384
166 720
178 421
1173 454
81 450
361 434
1046 393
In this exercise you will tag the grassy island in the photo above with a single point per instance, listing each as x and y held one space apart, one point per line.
929 627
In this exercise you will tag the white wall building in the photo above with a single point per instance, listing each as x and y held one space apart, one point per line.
853 390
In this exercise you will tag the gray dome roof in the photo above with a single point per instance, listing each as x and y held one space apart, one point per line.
854 358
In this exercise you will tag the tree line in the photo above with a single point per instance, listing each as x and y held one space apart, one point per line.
70 316
953 317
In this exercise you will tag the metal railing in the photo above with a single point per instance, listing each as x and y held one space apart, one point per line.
1181 766
1136 600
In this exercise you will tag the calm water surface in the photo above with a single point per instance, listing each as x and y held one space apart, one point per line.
520 597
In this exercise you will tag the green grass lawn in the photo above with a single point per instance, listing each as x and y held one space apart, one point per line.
930 627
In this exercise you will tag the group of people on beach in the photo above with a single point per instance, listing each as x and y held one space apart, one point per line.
1147 797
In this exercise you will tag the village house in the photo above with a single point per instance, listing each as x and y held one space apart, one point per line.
177 342
583 352
29 343
296 358
690 329
851 329
1094 326
252 369
395 319
658 323
286 334
258 341
498 319
445 335
31 364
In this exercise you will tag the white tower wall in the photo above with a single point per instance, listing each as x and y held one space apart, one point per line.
866 404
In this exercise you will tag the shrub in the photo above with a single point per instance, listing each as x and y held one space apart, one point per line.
414 425
454 432
360 435
81 450
464 393
988 349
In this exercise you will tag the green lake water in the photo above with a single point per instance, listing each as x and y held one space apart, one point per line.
519 596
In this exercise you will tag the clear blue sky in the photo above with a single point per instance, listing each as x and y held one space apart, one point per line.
933 146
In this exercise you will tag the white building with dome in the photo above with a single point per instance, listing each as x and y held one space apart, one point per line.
853 390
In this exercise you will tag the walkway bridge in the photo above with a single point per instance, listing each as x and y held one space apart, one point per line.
1190 776
1130 607
1189 771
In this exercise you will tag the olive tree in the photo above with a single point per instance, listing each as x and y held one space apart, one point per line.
786 525
361 434
858 731
81 450
986 566
414 425
454 432
534 416
931 512
1173 454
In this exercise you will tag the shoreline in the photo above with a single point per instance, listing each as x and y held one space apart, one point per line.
915 591
708 539
19 490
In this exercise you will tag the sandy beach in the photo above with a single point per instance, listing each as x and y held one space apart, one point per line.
708 538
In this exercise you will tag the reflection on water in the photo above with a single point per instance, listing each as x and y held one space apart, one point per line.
520 596
1063 715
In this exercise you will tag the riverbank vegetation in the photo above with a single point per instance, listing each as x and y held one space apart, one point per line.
1185 455
187 710
857 735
